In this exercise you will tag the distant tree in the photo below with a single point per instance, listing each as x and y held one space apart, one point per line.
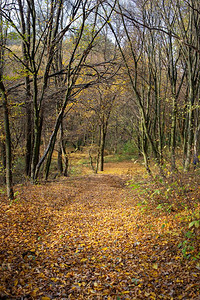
100 103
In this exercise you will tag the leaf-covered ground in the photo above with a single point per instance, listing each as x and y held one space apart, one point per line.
94 237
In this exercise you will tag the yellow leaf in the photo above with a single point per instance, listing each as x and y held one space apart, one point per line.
45 298
15 282
62 266
54 279
70 274
175 234
83 259
155 266
41 275
34 292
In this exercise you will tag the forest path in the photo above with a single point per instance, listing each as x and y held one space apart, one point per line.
91 237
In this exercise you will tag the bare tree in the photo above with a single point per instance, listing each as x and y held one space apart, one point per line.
5 105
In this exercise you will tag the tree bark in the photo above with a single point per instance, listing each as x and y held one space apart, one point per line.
9 180
28 154
3 155
59 159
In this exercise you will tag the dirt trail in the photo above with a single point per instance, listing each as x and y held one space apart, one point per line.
86 237
96 187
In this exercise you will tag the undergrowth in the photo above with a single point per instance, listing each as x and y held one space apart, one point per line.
177 196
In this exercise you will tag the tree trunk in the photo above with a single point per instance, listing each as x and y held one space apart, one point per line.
25 29
36 146
189 127
49 158
66 160
64 153
173 134
196 135
28 154
3 155
51 144
37 130
102 147
59 159
144 151
9 181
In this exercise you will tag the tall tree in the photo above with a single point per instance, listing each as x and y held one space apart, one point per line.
5 105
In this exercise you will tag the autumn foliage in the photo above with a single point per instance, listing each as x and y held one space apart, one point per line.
114 235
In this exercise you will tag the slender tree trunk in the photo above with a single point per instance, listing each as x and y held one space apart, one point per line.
9 181
3 155
91 160
196 135
144 151
193 75
102 142
36 121
36 146
66 160
139 146
25 29
173 133
173 79
59 158
102 148
64 153
189 127
160 134
185 140
49 158
98 150
28 139
3 98
189 140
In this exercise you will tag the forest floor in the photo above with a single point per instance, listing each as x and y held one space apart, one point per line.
99 237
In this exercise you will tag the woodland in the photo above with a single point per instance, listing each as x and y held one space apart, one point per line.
99 149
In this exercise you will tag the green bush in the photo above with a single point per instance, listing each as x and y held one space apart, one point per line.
129 147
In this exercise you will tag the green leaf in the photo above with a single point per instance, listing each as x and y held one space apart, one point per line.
159 206
179 245
194 223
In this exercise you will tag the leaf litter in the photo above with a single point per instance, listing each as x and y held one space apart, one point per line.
94 237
